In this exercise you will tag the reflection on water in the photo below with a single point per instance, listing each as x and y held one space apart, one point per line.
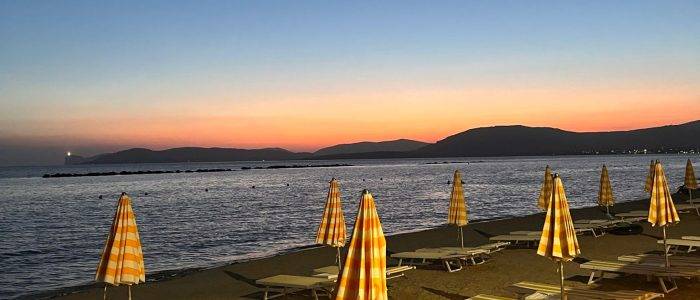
53 229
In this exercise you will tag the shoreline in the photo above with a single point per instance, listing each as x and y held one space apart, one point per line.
398 242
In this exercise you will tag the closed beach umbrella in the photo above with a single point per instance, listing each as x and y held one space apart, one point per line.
689 181
364 273
558 240
457 214
546 191
662 212
605 196
332 230
122 258
650 177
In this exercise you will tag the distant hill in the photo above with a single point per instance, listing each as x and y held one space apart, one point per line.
193 154
513 140
522 140
402 145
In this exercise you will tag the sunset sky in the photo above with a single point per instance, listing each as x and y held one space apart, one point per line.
88 76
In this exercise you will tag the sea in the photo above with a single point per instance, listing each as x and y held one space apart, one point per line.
52 230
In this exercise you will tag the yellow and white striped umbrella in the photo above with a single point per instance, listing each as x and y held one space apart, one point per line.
605 195
457 214
650 178
662 212
661 209
332 230
690 183
546 191
363 276
122 258
689 180
558 240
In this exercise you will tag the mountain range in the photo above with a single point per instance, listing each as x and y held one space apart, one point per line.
516 140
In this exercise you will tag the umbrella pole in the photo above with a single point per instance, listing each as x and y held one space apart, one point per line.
561 278
130 292
104 293
340 268
461 236
668 264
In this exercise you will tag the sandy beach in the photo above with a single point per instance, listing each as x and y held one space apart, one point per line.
503 269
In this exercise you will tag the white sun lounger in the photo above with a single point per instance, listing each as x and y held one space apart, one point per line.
451 261
675 245
490 247
588 221
517 239
633 216
331 272
691 237
470 254
292 283
489 297
660 260
525 232
527 287
688 207
660 272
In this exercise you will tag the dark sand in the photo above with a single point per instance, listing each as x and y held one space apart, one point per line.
505 268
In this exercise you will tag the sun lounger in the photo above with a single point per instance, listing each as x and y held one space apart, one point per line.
525 232
491 247
655 259
659 272
451 261
517 239
596 229
688 207
633 216
470 254
674 245
489 297
691 237
331 272
291 283
587 221
527 287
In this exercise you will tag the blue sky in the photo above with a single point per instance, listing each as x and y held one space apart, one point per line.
67 65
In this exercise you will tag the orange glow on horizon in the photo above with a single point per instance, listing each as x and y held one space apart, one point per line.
310 122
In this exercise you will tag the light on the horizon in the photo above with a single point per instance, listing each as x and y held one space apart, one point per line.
68 153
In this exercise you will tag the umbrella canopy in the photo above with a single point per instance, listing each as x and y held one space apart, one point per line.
558 240
661 209
605 196
332 230
650 178
546 191
364 273
122 259
457 214
689 181
662 212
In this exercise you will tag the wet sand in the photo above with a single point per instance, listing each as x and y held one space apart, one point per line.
237 280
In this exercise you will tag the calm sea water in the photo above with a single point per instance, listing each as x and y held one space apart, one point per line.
53 229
